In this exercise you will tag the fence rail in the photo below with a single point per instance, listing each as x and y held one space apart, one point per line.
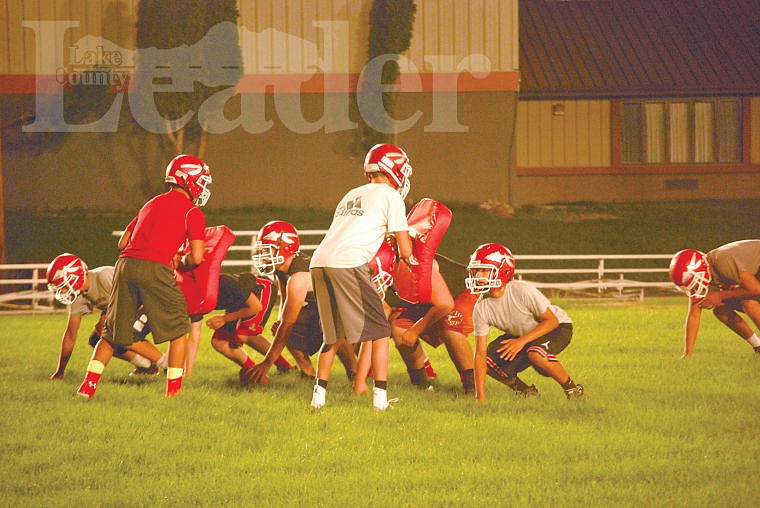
23 287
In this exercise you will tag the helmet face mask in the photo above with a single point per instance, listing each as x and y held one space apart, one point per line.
276 242
491 266
65 276
191 174
382 267
477 282
392 162
265 259
690 272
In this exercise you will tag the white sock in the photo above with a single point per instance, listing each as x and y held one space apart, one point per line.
379 398
754 341
163 362
318 396
140 361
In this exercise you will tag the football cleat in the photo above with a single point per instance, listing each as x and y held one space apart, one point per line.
576 392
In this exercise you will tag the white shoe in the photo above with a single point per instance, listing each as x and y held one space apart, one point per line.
318 397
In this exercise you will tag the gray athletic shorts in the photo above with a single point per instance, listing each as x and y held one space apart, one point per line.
349 307
139 282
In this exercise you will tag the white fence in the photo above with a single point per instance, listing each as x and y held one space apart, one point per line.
23 287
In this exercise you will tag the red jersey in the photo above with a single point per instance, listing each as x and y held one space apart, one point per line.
161 227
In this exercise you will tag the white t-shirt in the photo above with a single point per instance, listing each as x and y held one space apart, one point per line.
515 312
361 220
96 297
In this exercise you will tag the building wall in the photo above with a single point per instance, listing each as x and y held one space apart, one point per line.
459 84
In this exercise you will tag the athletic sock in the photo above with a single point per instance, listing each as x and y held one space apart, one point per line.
140 362
381 384
283 363
468 379
429 370
417 376
754 341
248 363
322 383
163 362
90 383
173 380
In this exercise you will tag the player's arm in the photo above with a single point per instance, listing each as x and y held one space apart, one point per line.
67 344
195 256
691 327
251 307
547 322
295 295
748 287
442 303
404 246
481 347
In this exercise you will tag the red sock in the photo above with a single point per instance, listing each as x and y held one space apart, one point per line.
248 363
429 370
283 363
89 385
173 381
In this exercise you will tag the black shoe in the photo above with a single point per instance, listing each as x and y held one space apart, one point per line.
153 370
576 392
530 391
757 349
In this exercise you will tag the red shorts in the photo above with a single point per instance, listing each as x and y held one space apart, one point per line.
459 320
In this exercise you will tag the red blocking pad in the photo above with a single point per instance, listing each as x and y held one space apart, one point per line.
201 284
428 221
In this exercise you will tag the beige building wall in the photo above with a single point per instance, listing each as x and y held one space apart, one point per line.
564 133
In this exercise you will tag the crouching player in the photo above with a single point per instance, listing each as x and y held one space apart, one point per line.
84 291
535 331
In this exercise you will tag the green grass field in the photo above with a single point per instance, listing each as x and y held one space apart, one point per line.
654 430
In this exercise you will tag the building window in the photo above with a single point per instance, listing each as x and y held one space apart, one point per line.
681 131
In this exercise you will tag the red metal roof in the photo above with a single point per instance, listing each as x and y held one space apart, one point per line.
634 48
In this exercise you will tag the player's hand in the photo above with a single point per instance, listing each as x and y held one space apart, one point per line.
215 322
509 348
275 327
259 372
712 300
409 338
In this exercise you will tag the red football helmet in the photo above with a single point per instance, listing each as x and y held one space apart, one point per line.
192 174
276 241
65 276
690 271
393 162
499 263
383 266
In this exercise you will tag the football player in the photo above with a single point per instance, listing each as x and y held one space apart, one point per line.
535 331
144 272
724 280
277 253
445 320
348 305
84 291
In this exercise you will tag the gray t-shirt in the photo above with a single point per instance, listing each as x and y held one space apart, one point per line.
96 297
515 312
728 260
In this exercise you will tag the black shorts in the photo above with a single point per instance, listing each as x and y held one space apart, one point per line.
552 344
306 334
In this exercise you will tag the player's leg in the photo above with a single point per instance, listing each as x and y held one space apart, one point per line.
303 361
175 371
460 352
751 307
100 358
506 371
324 366
363 366
542 354
347 357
